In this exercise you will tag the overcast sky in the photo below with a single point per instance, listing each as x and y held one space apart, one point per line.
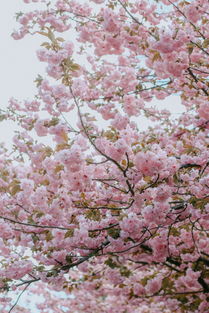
18 62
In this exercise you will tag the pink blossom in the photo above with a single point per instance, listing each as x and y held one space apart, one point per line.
193 13
154 285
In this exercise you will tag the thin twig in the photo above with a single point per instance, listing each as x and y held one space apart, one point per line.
18 298
34 225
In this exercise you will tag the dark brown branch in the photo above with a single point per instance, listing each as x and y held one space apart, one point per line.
19 296
196 80
83 259
34 225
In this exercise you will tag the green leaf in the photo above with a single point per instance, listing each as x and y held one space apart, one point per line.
205 43
18 15
114 233
69 233
49 236
124 271
2 117
111 263
14 187
74 67
68 259
38 80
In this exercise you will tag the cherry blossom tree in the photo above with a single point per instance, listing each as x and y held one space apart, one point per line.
109 218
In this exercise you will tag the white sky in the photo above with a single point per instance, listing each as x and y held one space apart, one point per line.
18 63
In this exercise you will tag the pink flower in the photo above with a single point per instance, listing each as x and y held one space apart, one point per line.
154 285
193 12
6 230
40 128
204 110
190 280
69 47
